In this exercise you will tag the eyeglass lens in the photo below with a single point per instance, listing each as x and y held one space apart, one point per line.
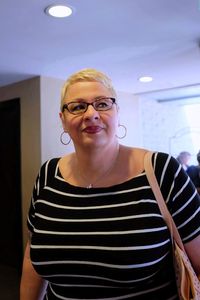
102 104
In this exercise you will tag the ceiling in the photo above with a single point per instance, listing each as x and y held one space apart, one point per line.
124 38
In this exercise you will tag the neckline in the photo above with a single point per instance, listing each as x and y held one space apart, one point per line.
115 186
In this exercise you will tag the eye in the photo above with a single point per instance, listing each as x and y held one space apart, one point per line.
76 107
103 104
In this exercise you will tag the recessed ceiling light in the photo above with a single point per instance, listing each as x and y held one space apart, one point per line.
145 79
58 11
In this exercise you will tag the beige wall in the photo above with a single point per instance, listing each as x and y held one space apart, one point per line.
51 126
29 93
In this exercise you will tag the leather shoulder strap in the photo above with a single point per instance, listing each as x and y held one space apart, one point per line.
160 200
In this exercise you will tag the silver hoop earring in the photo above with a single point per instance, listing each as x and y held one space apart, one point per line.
125 132
61 139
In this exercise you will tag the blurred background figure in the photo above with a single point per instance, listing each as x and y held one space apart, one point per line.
183 158
194 173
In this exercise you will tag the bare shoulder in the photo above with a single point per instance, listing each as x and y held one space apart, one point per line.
134 157
66 159
65 164
133 152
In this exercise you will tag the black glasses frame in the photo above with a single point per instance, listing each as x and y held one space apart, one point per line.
65 106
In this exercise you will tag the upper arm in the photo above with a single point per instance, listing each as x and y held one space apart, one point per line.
180 195
192 249
32 286
184 204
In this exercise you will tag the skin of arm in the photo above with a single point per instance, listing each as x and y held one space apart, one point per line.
32 286
192 249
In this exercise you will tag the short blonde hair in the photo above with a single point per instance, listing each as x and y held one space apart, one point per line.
86 75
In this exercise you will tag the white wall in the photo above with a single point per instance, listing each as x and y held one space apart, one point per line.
170 127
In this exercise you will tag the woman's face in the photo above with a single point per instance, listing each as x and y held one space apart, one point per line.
92 128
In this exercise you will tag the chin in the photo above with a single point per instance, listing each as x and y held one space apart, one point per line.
95 142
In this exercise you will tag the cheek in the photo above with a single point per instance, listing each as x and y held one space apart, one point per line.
113 123
72 124
115 120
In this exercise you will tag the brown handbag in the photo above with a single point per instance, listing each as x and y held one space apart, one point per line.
188 284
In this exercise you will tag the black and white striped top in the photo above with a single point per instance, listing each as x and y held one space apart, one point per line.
110 243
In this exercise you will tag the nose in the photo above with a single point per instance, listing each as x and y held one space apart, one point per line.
91 113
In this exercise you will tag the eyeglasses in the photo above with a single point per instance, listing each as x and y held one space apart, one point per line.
100 104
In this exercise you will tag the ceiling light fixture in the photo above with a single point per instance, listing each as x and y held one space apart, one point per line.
58 11
145 79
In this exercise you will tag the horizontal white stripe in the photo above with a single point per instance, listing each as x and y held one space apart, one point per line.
116 298
100 247
86 285
147 187
100 278
90 263
102 232
98 220
95 207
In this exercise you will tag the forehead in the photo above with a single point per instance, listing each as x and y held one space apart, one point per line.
87 90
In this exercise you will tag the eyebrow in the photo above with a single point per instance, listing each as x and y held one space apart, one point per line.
84 100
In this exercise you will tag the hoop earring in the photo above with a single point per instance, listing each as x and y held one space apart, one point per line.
125 132
61 139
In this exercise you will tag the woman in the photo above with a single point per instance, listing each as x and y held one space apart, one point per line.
194 173
96 230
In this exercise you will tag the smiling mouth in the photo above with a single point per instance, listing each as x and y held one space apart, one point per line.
92 129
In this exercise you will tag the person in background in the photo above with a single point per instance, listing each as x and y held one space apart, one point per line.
194 173
184 158
96 231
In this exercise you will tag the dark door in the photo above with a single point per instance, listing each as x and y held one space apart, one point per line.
10 185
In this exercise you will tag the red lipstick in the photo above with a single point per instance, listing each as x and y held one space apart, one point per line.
92 129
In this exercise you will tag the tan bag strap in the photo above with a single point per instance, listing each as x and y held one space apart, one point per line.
160 200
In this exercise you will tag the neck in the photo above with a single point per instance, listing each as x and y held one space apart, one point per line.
94 166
